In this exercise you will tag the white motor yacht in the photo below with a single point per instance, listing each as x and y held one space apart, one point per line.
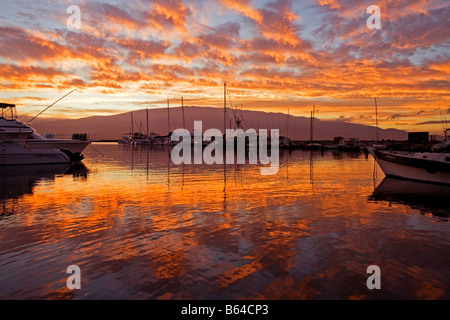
14 130
13 153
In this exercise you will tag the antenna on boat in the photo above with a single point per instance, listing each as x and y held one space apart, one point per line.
444 121
50 106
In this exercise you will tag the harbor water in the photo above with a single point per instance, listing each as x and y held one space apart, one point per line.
140 227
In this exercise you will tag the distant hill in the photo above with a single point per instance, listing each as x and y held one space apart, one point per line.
113 127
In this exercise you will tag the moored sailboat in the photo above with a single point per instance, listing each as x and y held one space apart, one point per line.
313 145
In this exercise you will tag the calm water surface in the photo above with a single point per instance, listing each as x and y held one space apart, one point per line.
140 227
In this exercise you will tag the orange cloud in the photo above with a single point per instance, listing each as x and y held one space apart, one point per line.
268 51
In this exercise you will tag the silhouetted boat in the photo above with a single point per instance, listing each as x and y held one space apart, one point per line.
351 144
337 142
312 145
420 166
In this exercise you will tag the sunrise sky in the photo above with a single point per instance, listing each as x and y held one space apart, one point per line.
273 55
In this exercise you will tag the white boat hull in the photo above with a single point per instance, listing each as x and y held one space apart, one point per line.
74 146
14 154
433 172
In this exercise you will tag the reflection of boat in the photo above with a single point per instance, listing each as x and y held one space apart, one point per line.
423 196
421 166
12 129
17 181
16 154
14 181
78 170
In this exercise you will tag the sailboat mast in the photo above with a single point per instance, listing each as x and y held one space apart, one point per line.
182 109
168 116
287 125
224 108
132 123
376 116
146 112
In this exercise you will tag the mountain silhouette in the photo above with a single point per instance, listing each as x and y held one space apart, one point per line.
113 127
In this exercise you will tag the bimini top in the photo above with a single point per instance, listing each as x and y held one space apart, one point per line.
8 111
7 105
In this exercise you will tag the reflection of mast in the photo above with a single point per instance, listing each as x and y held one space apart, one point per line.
182 178
168 170
287 167
224 187
132 159
224 132
311 169
375 174
147 161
